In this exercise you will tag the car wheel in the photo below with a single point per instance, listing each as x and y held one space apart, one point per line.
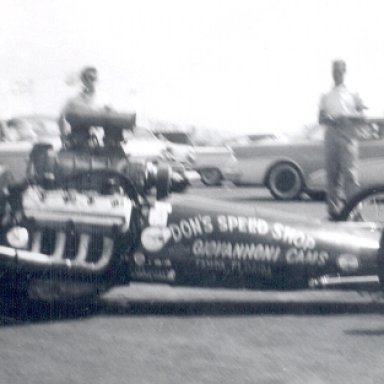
285 182
210 176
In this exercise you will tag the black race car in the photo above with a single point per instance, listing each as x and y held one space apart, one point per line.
86 220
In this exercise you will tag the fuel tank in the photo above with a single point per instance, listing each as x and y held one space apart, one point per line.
196 241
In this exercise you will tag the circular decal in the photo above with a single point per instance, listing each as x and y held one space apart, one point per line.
153 239
348 262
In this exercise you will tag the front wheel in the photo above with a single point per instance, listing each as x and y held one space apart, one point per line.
367 205
210 176
285 182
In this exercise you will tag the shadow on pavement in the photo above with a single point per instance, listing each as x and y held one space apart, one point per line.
365 332
28 313
269 199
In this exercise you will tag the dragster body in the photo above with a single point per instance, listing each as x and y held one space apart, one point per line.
200 241
76 242
87 220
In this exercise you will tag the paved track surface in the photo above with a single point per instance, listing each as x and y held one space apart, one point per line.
158 334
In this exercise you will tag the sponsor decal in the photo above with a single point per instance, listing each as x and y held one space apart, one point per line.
266 253
307 257
292 236
194 227
158 214
191 227
224 249
235 266
153 269
154 239
348 262
242 224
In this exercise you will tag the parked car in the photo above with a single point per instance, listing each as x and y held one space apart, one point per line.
291 167
142 143
252 138
208 161
211 163
17 137
179 144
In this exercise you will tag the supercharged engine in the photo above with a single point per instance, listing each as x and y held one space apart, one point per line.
83 154
69 228
81 205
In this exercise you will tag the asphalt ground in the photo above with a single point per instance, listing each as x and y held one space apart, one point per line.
161 334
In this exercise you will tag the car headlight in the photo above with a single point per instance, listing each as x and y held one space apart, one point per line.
18 237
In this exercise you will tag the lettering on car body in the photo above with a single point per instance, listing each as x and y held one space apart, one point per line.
219 265
266 253
242 224
307 257
224 249
191 227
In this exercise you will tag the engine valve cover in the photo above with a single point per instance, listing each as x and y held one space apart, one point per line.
85 211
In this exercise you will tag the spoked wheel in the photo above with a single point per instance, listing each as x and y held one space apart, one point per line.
367 205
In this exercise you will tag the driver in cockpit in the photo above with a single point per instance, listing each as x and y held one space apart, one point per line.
80 135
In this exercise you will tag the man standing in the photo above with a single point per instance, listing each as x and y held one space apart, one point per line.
79 135
339 112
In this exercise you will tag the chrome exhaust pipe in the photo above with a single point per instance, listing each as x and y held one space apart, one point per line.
340 281
35 258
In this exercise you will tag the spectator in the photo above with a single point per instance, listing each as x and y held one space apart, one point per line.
340 110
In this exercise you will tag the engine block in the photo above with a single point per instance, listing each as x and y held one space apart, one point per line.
85 211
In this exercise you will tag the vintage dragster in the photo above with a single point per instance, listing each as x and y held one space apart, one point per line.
86 220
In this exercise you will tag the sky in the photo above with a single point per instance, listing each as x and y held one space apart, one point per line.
236 65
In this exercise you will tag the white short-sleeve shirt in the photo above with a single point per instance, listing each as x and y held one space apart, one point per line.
339 101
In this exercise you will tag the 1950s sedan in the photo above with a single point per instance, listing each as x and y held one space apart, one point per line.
289 167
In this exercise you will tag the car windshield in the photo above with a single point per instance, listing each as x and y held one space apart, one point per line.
176 137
